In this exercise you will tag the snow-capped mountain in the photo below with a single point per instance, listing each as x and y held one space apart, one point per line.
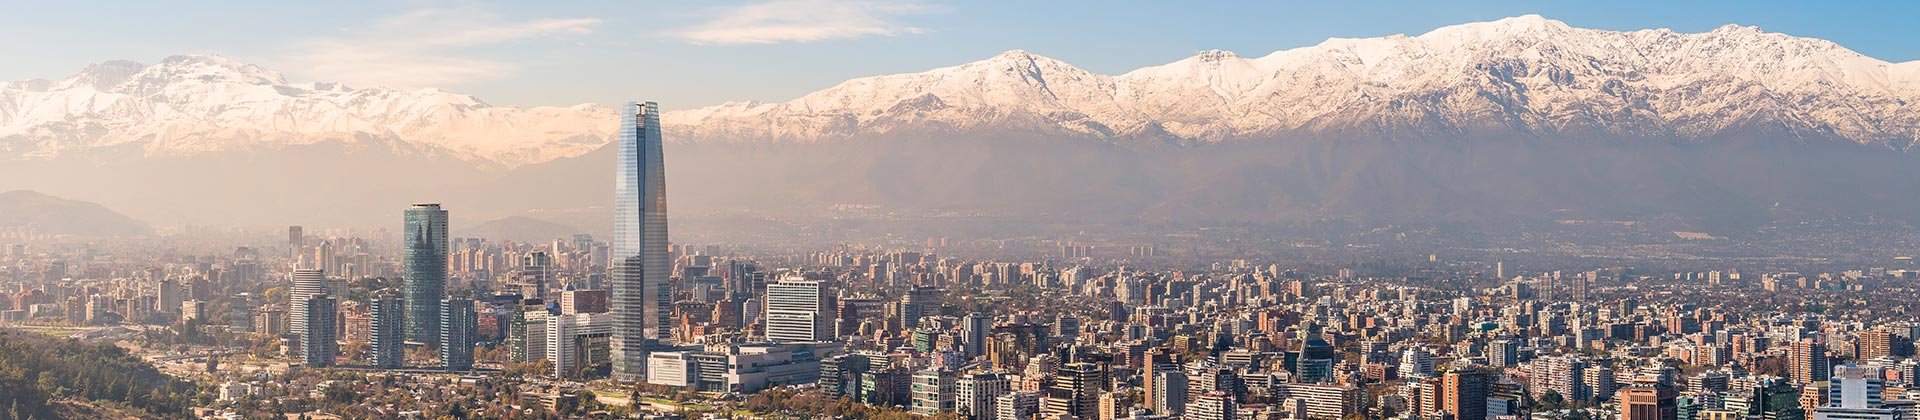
197 103
1526 74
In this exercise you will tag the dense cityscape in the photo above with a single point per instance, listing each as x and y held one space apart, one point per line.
934 209
331 323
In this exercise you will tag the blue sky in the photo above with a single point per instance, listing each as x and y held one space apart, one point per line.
686 53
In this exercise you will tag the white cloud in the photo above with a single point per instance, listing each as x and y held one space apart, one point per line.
781 21
424 48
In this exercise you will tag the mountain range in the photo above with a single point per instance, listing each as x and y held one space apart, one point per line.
47 215
1524 118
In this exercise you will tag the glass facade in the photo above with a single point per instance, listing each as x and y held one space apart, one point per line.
389 351
639 251
459 329
425 256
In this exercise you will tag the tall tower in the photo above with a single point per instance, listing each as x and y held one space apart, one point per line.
639 249
425 252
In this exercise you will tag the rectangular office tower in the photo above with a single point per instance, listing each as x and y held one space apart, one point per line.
639 250
796 310
425 254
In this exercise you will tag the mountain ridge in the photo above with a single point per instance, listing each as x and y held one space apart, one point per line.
192 104
1519 122
46 214
1525 74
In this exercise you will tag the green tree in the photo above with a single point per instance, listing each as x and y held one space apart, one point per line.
1552 400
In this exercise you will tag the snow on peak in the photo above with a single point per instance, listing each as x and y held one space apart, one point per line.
1215 56
1525 73
1525 23
189 104
214 68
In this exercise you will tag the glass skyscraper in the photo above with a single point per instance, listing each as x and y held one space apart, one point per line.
425 255
639 251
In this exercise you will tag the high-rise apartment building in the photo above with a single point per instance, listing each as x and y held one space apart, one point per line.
1169 396
459 329
1882 342
319 339
388 339
977 393
1464 394
1809 363
1020 405
641 300
1503 353
1216 405
974 329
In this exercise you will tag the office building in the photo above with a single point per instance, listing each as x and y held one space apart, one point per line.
1076 386
307 283
1648 399
1316 361
641 301
577 343
1856 393
748 368
933 391
527 331
424 253
796 311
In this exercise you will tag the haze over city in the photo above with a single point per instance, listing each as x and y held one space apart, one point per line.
785 209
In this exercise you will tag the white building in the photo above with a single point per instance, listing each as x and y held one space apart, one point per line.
577 341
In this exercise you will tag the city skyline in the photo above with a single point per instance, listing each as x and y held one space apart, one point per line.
1511 218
